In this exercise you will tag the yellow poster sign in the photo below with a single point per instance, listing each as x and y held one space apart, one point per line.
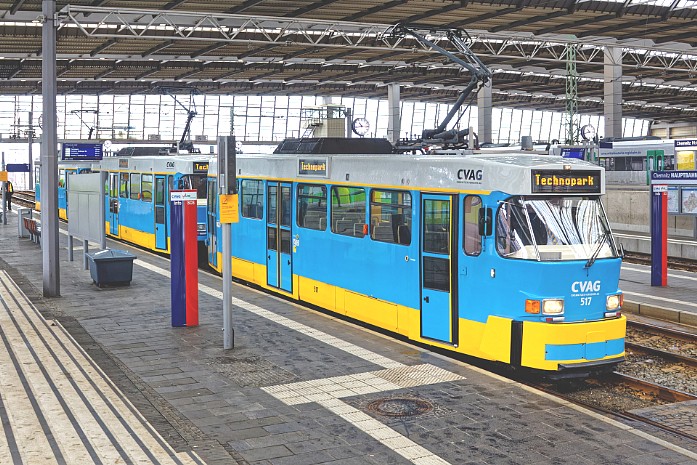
685 159
3 176
229 213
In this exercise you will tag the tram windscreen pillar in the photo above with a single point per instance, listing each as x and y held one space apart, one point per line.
659 235
184 258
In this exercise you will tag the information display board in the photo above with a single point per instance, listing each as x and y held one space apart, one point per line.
82 151
673 199
681 188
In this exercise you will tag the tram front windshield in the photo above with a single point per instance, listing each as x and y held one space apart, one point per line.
553 229
195 181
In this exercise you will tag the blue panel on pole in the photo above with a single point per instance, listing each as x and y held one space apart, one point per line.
17 167
177 262
656 238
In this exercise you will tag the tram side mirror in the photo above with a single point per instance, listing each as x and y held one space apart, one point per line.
621 250
485 228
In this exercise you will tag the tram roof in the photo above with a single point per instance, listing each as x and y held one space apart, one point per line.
454 171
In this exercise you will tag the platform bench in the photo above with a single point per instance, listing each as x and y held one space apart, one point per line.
34 229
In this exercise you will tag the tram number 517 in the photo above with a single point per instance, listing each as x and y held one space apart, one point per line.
585 301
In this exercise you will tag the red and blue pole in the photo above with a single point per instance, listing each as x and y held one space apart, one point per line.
184 258
659 235
191 266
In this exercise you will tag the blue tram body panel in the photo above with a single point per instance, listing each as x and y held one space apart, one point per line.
248 240
479 302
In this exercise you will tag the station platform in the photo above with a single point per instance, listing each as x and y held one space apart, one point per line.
674 302
98 375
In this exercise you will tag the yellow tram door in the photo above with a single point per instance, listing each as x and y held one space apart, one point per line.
438 282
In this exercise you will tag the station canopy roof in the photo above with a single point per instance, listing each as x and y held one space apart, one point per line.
343 47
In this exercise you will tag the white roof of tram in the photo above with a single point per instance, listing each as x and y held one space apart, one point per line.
449 171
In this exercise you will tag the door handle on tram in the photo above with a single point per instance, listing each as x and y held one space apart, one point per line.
426 299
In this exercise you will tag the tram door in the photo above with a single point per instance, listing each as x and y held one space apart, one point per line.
160 213
113 214
438 311
278 232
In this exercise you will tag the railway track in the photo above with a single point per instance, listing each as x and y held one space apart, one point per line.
24 198
675 263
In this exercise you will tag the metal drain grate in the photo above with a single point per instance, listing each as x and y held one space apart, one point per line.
251 370
400 406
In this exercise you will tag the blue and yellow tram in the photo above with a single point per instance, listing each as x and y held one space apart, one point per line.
137 194
65 170
505 257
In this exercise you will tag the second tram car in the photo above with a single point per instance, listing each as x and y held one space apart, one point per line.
508 258
138 191
137 194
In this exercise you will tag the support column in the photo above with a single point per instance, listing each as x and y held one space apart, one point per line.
30 138
394 121
484 113
49 159
612 94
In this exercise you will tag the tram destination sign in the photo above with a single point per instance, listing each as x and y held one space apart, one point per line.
314 167
566 181
81 151
200 167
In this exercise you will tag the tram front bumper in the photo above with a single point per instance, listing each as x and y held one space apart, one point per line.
559 346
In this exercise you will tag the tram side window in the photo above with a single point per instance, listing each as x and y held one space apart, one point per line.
135 186
123 185
348 211
471 240
61 178
252 199
312 207
146 188
390 216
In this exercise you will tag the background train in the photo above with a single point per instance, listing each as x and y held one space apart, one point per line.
507 258
137 194
629 161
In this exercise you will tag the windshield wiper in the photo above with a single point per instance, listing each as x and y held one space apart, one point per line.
591 260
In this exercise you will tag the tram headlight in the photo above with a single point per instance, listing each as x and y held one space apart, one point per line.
201 227
553 306
614 302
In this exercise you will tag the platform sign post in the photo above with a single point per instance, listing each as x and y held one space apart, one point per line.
3 179
227 185
659 235
184 258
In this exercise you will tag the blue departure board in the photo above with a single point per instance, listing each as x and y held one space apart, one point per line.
81 151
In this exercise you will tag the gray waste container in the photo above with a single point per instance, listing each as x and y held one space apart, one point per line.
21 214
111 267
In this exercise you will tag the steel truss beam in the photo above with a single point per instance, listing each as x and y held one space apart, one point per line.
123 23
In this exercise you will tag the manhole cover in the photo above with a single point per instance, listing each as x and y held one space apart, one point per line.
400 406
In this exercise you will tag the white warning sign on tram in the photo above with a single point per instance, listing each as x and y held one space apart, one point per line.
660 187
180 196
